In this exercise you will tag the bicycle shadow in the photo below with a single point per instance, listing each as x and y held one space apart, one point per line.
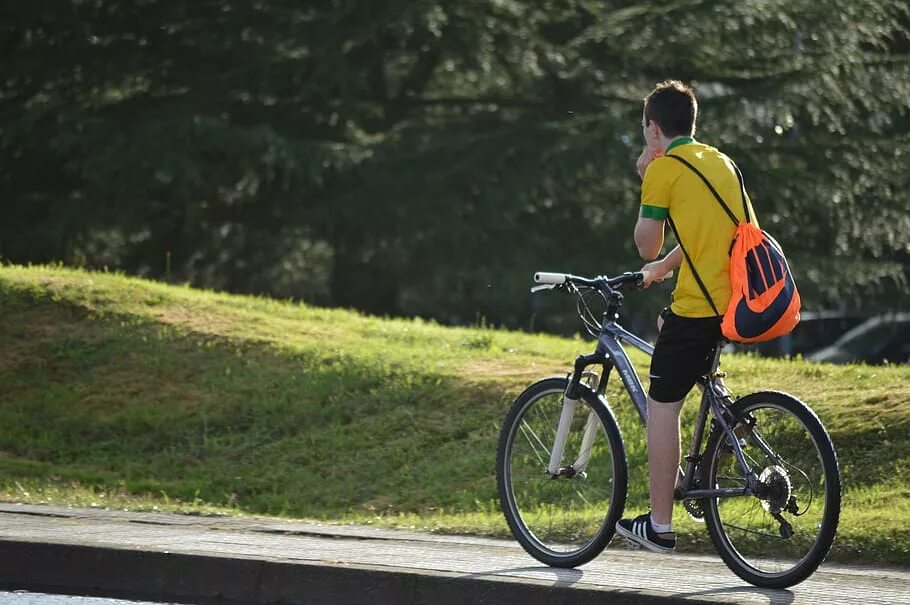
559 576
775 596
569 577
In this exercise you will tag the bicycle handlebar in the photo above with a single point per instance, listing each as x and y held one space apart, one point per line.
602 282
607 287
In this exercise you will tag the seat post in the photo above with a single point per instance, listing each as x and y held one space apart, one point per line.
715 362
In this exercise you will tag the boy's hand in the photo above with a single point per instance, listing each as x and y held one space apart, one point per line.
655 272
648 155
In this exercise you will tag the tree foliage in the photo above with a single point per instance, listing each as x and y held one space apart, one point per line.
424 157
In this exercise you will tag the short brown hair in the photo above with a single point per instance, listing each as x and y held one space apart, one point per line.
673 106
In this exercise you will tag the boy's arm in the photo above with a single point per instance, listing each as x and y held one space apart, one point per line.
673 259
659 270
649 237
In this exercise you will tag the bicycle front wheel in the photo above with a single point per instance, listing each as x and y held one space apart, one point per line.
777 537
567 518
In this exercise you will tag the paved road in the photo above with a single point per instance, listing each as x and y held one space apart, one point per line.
222 559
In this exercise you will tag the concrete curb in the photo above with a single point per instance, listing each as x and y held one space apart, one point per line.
139 574
197 559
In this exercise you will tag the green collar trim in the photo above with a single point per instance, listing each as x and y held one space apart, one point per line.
678 142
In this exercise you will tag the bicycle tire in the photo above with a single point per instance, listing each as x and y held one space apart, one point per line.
804 468
567 521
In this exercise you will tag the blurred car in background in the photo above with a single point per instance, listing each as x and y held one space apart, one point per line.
879 339
815 330
836 337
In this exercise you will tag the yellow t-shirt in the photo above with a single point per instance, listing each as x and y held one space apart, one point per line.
671 188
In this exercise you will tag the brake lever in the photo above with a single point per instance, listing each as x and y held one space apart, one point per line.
542 287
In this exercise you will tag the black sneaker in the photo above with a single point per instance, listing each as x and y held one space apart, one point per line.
639 530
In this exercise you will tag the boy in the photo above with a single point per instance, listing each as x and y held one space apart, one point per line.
689 328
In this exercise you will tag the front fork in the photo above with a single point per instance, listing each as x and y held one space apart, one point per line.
570 401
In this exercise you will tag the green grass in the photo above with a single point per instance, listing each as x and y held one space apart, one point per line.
120 392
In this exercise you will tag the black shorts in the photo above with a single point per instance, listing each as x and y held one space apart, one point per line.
683 353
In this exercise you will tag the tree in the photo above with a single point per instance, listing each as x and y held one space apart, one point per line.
424 157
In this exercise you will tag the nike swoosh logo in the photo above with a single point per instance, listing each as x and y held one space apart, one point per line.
750 324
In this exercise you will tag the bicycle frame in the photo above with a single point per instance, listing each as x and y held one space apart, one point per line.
610 353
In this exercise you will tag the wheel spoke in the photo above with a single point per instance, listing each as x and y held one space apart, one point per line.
752 531
532 437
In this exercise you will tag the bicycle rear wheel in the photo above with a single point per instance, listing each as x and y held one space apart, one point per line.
778 537
566 520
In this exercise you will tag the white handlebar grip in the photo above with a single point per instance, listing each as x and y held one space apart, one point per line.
555 279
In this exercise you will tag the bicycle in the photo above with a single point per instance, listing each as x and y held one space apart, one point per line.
766 484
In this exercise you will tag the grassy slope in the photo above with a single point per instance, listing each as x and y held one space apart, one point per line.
123 392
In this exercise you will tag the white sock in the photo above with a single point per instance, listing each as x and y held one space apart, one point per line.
661 528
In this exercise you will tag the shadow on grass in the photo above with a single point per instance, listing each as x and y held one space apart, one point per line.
113 403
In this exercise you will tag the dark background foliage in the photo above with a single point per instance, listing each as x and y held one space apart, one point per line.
423 157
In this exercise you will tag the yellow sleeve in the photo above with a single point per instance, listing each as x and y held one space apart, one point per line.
655 190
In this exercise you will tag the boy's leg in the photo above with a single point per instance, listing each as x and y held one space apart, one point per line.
663 457
682 353
663 451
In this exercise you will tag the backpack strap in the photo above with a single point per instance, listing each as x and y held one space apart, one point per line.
701 284
742 191
742 188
